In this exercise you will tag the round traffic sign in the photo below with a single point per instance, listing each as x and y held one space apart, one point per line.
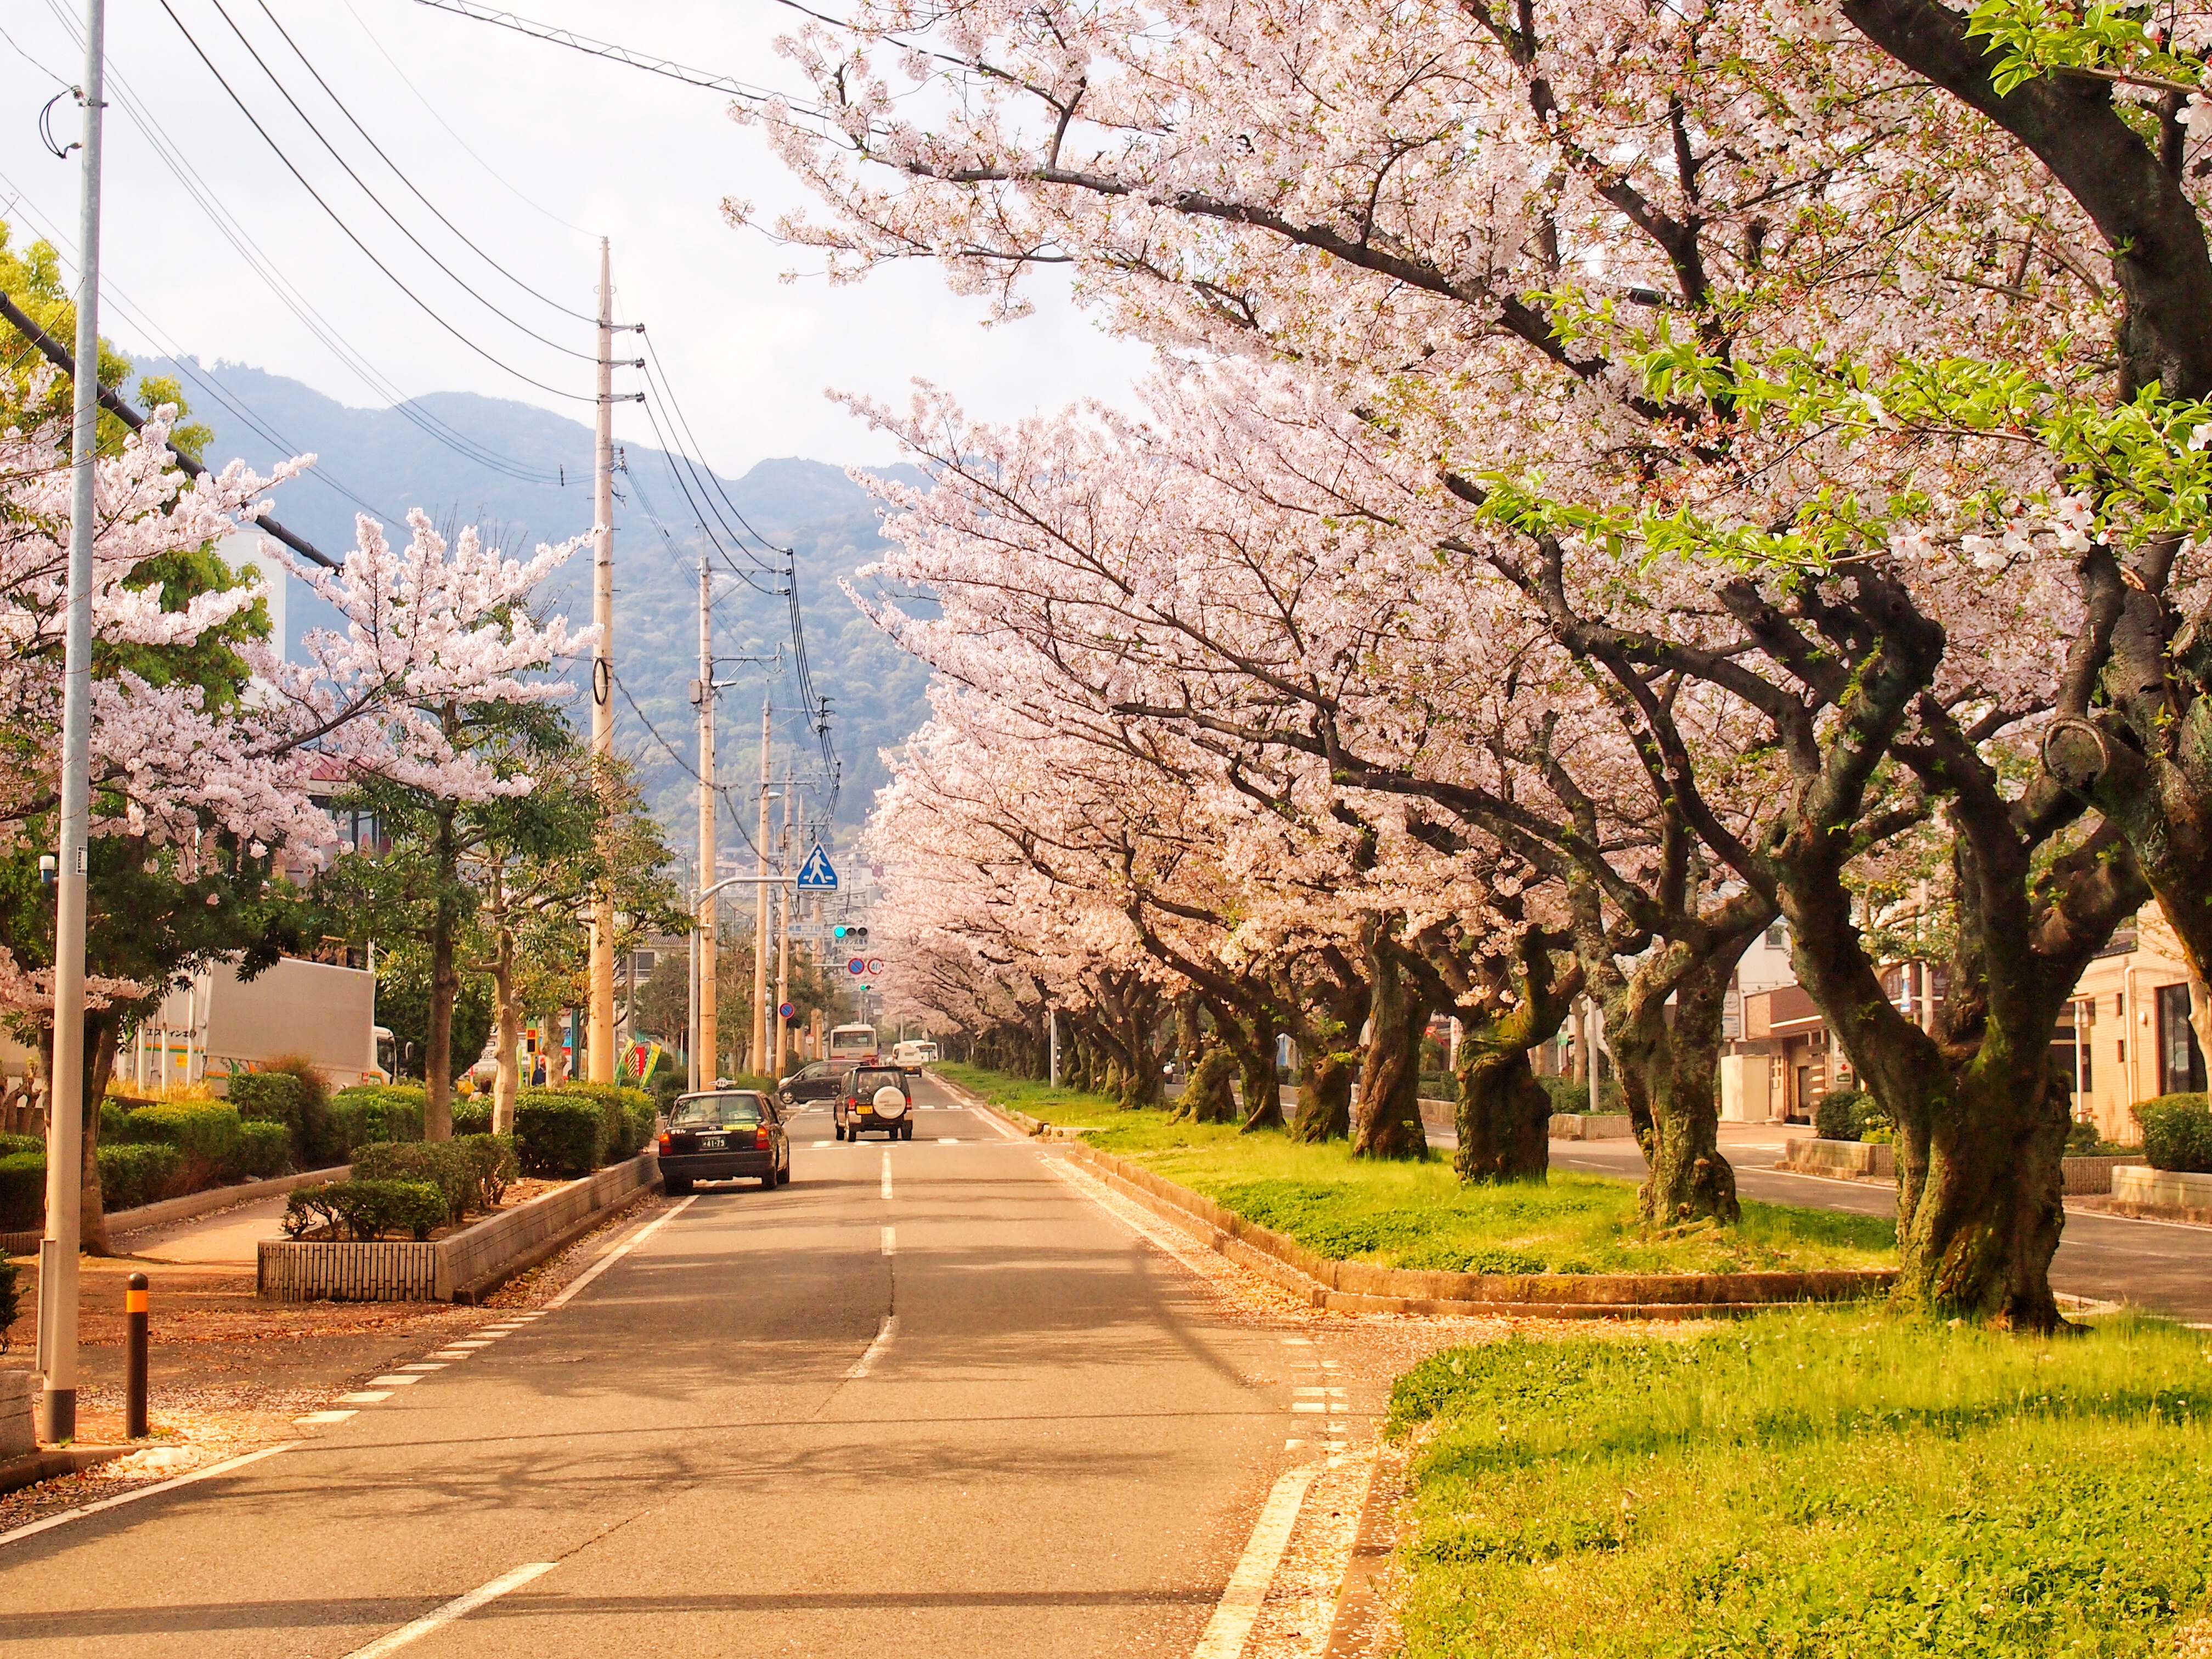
875 964
787 1010
856 966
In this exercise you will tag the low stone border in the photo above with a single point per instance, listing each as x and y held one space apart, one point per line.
464 1267
1855 1160
192 1205
2162 1194
1591 1126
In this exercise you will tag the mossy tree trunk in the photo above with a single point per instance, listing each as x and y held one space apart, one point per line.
1387 1123
1669 1059
1503 1116
1324 1110
1210 1097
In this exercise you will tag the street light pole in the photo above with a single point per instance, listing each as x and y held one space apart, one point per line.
600 1052
58 1251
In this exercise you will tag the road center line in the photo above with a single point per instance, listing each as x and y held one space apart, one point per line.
890 1240
459 1608
619 1253
209 1473
866 1362
1233 1615
887 1172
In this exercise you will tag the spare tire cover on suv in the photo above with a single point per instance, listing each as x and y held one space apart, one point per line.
890 1102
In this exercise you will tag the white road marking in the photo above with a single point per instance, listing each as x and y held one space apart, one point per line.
425 1365
459 1608
1233 1615
948 1140
469 1347
890 1240
887 1174
451 1354
209 1473
393 1381
364 1397
820 1144
1308 1406
325 1417
866 1362
616 1254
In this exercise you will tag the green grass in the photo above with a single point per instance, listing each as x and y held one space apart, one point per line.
1421 1215
1813 1485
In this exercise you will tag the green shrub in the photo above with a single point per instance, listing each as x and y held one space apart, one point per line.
11 1144
207 1134
1840 1115
115 1116
316 1142
131 1175
267 1097
1573 1098
267 1149
560 1133
370 1112
473 1114
364 1210
22 1192
471 1171
2177 1132
2082 1139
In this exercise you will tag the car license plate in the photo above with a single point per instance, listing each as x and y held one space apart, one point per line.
713 1142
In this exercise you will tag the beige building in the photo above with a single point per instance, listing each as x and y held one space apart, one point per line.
2125 1037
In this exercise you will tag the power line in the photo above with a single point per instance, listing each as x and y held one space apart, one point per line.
336 219
398 172
288 293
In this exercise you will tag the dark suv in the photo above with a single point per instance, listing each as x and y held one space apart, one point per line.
817 1081
875 1098
728 1135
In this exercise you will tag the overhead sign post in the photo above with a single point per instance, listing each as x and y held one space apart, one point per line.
817 875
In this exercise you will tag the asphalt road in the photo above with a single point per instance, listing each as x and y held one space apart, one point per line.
723 1445
2161 1266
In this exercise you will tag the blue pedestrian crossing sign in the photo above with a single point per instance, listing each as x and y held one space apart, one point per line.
816 875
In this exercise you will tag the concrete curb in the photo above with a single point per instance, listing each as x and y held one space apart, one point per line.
191 1205
17 1473
1364 1287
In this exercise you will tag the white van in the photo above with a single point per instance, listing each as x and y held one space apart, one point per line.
911 1053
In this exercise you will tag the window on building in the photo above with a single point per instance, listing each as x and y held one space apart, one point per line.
2180 1061
1778 935
2120 1052
2119 1005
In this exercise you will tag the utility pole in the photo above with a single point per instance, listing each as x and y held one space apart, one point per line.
602 1049
705 928
760 905
783 950
56 1357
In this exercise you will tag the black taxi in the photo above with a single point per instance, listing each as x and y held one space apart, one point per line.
724 1134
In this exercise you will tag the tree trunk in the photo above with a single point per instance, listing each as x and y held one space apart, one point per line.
1208 1097
1189 1035
1389 1118
1671 1080
1263 1087
1324 1098
507 1083
1503 1115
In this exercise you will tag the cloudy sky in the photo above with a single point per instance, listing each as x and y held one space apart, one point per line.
534 151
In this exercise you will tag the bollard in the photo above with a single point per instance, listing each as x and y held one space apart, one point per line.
134 1384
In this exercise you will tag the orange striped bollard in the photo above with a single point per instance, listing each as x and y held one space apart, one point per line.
134 1383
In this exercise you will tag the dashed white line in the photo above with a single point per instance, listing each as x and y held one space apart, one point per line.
820 1144
866 1362
325 1417
459 1608
887 1177
365 1397
890 1240
393 1381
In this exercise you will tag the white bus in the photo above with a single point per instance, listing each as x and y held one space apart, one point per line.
911 1053
853 1044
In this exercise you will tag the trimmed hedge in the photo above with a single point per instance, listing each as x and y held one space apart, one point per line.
22 1192
1846 1114
268 1098
364 1210
1573 1098
372 1112
471 1114
2177 1132
472 1171
11 1144
208 1137
267 1151
131 1175
559 1132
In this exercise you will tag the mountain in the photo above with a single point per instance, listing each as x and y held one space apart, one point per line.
524 476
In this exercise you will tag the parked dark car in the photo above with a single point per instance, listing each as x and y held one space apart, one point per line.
730 1135
818 1081
875 1098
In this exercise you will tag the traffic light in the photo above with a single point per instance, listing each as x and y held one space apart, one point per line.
857 935
840 930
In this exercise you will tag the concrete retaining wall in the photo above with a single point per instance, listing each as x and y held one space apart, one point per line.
2092 1177
2175 1194
461 1267
1852 1160
19 1400
1591 1126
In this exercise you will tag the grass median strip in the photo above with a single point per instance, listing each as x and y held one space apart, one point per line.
1422 1215
1817 1485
